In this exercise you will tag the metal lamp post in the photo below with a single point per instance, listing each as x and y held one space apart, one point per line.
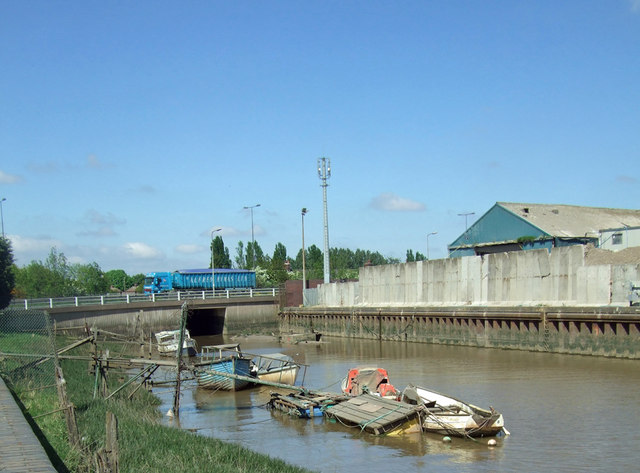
428 235
2 215
253 241
213 266
304 265
465 215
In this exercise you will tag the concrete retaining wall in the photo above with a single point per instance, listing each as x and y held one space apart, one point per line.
601 331
536 277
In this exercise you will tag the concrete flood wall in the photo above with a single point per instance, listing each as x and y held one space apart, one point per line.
529 300
537 277
602 331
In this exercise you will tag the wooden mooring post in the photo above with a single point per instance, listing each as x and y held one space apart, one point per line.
107 459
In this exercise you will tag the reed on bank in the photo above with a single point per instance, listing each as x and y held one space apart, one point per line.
145 445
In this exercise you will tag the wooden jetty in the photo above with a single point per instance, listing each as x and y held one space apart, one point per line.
377 415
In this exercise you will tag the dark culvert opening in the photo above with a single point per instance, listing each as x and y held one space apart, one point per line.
202 322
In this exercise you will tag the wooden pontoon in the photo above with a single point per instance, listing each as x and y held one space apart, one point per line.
377 415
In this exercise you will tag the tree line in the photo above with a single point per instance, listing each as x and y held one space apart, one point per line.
56 277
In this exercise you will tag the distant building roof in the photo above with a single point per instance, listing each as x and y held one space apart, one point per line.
572 220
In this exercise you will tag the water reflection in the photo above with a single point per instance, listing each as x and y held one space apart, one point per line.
556 406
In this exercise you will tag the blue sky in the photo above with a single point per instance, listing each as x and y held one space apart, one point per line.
130 130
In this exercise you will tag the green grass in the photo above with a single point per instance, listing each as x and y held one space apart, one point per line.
144 444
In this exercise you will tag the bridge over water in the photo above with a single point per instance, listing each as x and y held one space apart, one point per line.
209 313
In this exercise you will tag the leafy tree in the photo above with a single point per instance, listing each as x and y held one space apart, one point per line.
220 253
89 279
410 257
418 256
138 281
315 263
118 278
61 274
277 273
279 254
7 276
241 260
255 256
52 278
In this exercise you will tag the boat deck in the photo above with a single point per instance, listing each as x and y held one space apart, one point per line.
375 414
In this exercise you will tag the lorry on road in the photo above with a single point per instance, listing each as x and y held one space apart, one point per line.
199 280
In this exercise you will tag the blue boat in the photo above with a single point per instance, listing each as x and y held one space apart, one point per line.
223 367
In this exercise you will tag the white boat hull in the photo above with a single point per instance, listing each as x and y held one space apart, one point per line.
450 416
285 376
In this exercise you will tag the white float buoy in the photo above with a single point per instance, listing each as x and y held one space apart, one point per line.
446 439
492 443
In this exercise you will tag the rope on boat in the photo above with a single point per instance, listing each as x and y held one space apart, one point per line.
363 426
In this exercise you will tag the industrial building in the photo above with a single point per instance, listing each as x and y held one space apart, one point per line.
515 226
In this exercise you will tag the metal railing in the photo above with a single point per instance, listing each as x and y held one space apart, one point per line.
80 301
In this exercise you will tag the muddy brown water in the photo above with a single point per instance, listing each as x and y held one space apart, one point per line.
564 412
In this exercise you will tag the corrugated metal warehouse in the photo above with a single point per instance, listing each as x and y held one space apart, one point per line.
515 226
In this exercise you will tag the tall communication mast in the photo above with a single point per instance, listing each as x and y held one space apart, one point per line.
324 173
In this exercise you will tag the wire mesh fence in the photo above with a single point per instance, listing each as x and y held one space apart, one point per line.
27 350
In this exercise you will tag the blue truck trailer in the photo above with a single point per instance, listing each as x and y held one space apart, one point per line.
198 279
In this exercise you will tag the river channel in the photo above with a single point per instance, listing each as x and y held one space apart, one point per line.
564 412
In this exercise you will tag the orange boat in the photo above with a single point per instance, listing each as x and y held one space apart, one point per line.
369 380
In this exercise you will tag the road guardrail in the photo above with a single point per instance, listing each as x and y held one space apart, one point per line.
108 299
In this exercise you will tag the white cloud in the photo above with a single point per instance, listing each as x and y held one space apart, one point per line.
393 203
22 244
145 189
100 232
141 250
626 179
94 216
9 178
93 162
49 167
226 232
190 249
635 6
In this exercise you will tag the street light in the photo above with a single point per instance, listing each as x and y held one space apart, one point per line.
304 266
253 242
2 215
213 266
465 215
428 235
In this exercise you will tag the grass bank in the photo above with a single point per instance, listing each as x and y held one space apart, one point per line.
144 444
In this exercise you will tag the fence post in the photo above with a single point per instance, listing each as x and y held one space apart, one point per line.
101 300
26 305
69 412
76 301
50 303
107 457
128 300
227 293
112 442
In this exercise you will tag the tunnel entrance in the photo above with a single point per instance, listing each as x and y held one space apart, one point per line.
202 322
